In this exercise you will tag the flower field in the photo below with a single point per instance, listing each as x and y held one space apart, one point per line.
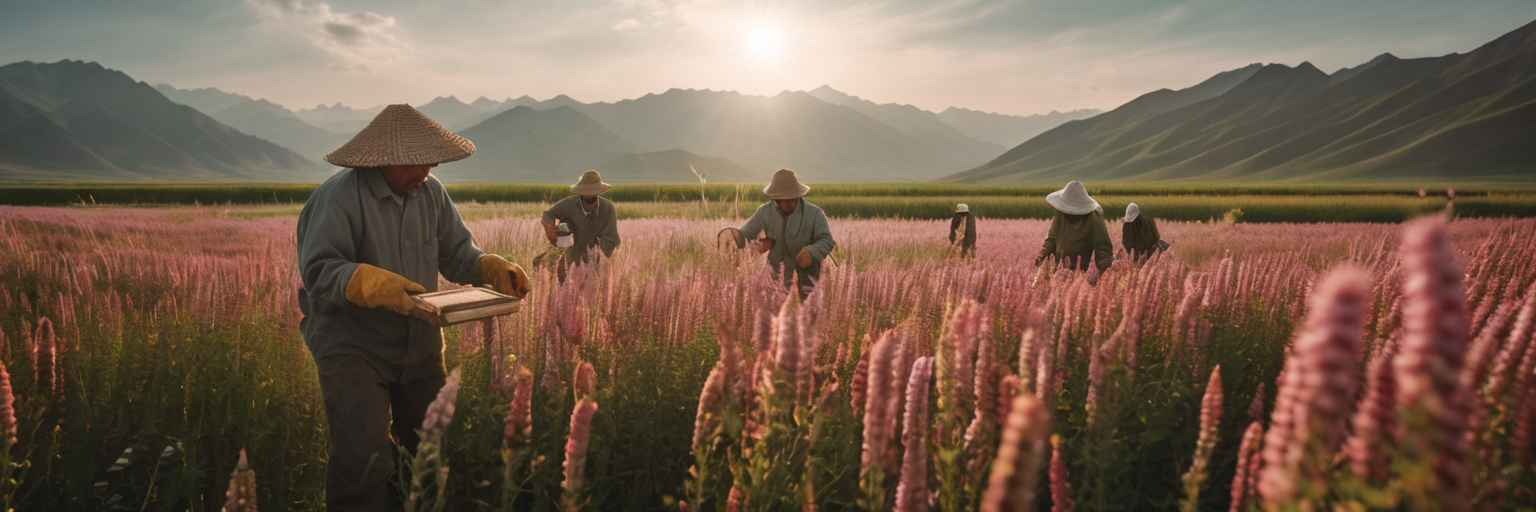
152 361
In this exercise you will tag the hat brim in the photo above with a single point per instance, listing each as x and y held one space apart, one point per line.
590 189
1067 207
800 191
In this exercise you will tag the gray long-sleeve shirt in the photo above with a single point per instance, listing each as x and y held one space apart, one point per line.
599 228
806 228
355 218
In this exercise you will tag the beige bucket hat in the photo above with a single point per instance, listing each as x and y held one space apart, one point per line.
785 186
1073 199
590 184
401 135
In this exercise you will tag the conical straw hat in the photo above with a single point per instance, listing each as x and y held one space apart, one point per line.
1131 212
590 184
1073 199
785 186
401 135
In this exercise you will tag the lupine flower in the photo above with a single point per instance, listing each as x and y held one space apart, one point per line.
1016 470
912 492
1061 489
7 410
1514 348
879 421
1242 481
1029 350
1374 420
1210 420
44 359
859 389
519 422
787 340
241 496
1256 407
709 400
736 501
1183 319
585 380
576 445
1429 363
440 413
1318 384
1009 387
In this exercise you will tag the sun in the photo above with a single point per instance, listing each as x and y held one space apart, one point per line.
765 43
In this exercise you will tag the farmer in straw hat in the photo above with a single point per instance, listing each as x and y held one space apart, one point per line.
371 235
968 235
1077 234
590 217
793 230
1138 235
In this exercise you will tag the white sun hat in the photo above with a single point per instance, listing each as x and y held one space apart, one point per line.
785 186
401 135
1073 200
959 208
1131 211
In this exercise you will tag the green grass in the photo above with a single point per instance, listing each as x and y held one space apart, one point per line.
1258 203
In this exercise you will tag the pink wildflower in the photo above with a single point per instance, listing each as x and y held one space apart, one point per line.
7 409
1061 489
912 492
519 422
1210 420
879 420
708 417
45 359
585 380
576 445
1012 483
1374 420
440 413
241 496
1242 481
1429 363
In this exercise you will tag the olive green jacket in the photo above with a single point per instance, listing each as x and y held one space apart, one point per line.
1140 236
1078 238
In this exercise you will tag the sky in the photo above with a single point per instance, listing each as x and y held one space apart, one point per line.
1010 56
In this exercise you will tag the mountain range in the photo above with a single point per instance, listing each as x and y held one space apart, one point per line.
74 120
1457 116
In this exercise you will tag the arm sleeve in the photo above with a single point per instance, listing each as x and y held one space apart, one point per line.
1049 247
1104 253
821 238
1152 224
1126 236
458 258
753 226
327 256
608 238
551 216
953 223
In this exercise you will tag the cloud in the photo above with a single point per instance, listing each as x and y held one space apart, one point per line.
359 41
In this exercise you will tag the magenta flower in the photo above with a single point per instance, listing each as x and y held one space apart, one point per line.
576 445
912 492
1061 489
585 380
1242 481
519 423
1210 420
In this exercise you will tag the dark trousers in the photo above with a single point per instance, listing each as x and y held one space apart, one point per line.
366 418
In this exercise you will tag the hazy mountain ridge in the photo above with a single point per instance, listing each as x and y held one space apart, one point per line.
920 124
261 118
1467 115
1008 130
75 120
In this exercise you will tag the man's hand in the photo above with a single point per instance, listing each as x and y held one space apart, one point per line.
373 287
504 276
803 258
764 245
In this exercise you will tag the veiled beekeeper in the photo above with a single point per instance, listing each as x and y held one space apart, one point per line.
371 235
1077 235
793 231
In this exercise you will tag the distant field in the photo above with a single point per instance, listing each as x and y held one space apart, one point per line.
1257 203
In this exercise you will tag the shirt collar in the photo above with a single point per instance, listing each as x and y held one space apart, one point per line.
380 188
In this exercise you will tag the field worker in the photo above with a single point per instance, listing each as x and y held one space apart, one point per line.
371 235
1138 235
591 218
968 236
1077 235
793 230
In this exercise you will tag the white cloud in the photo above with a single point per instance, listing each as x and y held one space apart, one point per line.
359 41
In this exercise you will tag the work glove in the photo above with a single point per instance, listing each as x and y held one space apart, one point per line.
803 258
764 245
503 276
374 287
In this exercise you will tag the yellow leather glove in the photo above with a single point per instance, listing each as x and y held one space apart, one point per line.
803 258
504 276
374 287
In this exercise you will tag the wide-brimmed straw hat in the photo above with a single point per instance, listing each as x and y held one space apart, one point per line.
401 135
1131 211
1073 199
590 184
785 186
959 208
